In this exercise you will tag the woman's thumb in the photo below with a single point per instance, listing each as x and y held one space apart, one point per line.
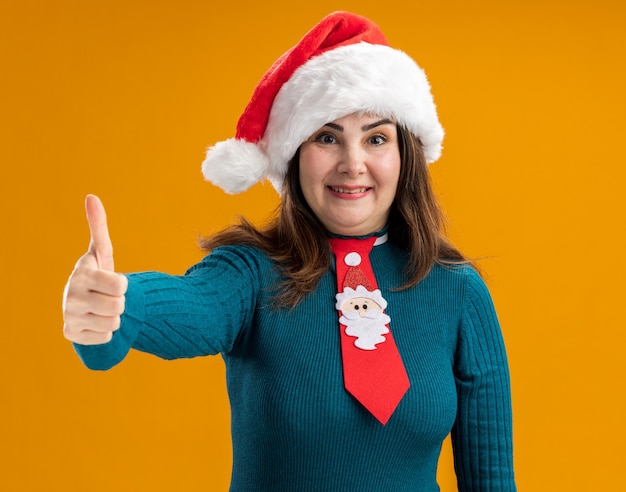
100 244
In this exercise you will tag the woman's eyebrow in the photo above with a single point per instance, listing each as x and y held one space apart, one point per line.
365 128
384 121
335 126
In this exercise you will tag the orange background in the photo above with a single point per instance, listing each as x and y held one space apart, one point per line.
121 98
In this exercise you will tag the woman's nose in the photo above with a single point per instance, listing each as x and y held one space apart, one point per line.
352 161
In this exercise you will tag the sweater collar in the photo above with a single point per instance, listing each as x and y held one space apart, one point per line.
382 236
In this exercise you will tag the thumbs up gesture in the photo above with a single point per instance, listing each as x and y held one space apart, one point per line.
93 299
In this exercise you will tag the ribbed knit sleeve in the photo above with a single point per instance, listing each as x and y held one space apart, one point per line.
199 313
482 434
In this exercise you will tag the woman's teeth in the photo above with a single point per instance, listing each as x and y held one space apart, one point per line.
352 191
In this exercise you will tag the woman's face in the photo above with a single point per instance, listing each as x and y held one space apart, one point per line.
349 172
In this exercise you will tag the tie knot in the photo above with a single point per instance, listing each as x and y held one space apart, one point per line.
352 248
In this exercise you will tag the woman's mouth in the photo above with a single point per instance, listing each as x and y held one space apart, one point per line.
349 191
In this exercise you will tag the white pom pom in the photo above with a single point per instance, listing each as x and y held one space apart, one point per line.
235 165
352 259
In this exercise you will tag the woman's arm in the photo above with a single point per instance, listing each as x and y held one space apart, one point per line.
199 313
482 434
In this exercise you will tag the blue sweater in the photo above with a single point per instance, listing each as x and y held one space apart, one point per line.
294 427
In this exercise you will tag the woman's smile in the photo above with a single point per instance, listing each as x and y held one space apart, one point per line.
349 192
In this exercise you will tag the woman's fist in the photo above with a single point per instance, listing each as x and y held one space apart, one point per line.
93 299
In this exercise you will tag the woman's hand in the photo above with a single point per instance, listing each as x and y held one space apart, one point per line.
93 300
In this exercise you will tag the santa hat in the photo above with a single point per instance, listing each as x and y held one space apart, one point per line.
343 65
356 284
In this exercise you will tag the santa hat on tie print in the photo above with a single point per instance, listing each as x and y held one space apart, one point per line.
343 65
357 285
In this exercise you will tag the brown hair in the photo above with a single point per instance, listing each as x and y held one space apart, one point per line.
296 240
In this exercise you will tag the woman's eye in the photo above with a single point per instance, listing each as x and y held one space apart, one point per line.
326 138
377 140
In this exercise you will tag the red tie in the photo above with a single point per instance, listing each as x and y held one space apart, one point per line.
372 368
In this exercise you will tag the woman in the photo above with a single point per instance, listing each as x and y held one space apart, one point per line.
355 336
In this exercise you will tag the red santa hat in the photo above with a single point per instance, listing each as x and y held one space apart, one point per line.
343 65
356 284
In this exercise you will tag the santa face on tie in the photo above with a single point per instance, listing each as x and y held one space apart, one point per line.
363 316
